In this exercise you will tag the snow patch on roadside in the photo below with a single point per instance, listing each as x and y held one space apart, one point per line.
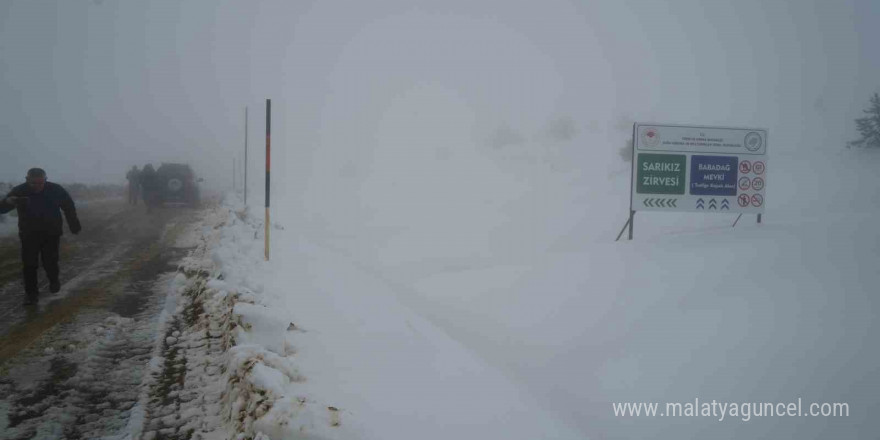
222 363
261 394
240 357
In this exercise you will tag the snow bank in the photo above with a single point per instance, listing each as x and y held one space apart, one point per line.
322 349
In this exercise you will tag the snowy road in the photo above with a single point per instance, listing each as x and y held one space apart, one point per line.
73 367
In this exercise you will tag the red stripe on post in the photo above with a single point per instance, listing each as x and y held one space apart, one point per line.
268 146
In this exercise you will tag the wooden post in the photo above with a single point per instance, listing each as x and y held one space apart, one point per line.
268 167
245 153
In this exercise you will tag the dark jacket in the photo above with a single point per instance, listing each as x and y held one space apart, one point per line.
147 179
133 177
41 212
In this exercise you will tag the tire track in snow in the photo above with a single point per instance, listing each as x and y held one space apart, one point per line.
95 365
79 364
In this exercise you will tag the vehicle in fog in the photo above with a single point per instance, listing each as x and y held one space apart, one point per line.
176 184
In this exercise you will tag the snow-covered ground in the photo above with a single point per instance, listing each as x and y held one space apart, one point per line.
518 318
445 308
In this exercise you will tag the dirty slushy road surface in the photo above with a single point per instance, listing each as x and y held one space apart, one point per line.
73 366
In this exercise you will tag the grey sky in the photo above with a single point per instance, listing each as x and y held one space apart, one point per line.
89 88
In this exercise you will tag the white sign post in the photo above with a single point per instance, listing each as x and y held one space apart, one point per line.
698 169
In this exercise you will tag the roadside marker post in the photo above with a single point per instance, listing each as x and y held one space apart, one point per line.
268 167
245 153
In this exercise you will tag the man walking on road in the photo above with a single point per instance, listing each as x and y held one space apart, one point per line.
39 205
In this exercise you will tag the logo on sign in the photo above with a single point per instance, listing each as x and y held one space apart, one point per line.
650 136
745 167
758 167
744 183
743 200
758 183
753 141
757 200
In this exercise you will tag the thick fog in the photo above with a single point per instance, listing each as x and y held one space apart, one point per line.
90 88
469 159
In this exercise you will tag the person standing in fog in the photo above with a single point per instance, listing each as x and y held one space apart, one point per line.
39 204
134 182
148 186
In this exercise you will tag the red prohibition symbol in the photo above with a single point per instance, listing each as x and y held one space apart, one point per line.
744 183
757 183
745 167
758 167
757 200
743 200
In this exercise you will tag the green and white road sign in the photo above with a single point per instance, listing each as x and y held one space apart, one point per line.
699 169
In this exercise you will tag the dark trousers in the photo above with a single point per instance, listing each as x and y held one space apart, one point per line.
37 246
132 194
